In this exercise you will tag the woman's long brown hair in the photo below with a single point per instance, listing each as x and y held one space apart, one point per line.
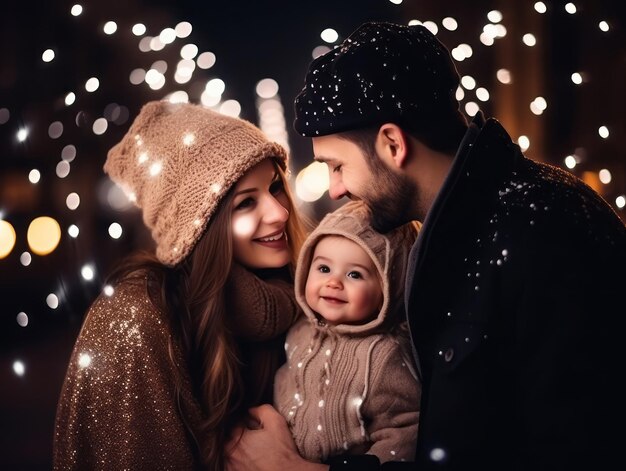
193 295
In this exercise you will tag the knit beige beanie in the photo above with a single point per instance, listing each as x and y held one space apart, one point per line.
176 163
389 253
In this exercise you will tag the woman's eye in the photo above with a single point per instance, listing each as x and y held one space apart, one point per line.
277 187
248 202
355 274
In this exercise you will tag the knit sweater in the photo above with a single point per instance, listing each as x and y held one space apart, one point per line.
352 388
118 406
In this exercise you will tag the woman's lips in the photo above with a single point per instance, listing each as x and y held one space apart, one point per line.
277 241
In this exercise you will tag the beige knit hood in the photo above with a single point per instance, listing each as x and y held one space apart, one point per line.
389 252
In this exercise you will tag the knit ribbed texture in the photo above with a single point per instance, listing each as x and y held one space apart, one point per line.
176 163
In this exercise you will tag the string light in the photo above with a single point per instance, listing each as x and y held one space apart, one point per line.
72 201
25 259
43 235
52 300
87 272
7 238
139 29
115 230
48 55
110 27
450 23
92 84
22 134
329 35
603 131
22 319
19 368
76 10
570 8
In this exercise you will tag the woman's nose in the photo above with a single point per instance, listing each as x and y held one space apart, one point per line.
274 211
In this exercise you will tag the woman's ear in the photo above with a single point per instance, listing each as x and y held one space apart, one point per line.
392 144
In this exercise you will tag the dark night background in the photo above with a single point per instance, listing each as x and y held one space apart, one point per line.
251 40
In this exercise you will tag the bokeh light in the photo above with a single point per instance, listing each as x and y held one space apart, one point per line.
329 35
43 235
19 368
267 88
76 10
7 238
52 300
22 319
115 230
25 259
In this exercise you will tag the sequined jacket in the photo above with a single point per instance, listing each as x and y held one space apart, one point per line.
118 407
515 299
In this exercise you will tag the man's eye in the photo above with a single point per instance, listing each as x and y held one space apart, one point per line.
337 168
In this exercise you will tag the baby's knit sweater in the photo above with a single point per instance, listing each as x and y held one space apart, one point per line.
352 388
348 394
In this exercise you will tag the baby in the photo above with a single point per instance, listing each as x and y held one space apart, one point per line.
349 386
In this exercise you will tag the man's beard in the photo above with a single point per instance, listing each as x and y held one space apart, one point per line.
393 198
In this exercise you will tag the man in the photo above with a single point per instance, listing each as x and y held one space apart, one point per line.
514 295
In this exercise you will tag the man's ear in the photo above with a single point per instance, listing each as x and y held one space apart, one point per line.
392 144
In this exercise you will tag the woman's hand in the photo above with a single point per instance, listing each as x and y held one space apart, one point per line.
267 446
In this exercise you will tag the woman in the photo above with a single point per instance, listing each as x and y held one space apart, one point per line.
167 365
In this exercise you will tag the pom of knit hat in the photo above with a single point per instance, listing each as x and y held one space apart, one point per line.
177 162
383 72
389 253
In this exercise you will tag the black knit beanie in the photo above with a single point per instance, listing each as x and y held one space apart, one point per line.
383 72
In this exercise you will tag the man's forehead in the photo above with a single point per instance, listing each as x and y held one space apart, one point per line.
325 159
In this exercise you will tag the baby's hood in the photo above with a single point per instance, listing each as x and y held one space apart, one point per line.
389 253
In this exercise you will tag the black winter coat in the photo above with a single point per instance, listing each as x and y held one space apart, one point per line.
516 304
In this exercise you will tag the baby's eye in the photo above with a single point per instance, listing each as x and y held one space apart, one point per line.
355 274
246 203
323 269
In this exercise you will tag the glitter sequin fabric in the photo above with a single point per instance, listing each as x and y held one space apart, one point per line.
515 303
352 388
346 88
118 408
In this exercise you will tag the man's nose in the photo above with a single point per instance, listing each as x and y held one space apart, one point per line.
336 188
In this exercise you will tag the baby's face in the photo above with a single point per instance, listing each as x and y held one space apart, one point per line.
343 285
